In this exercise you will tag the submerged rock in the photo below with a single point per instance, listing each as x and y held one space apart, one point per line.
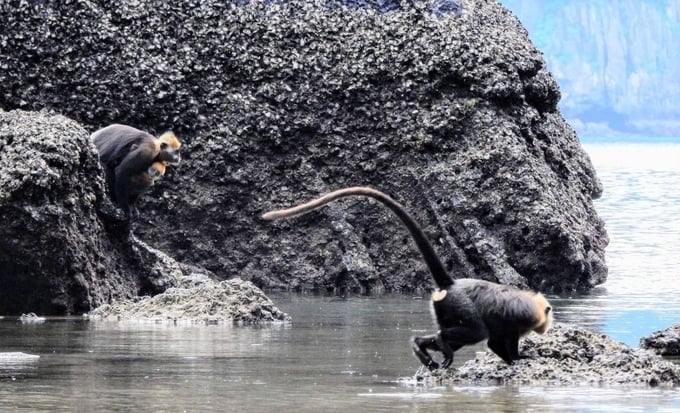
566 355
665 342
31 318
452 113
197 299
16 357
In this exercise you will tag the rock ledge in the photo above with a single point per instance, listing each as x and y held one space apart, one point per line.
197 299
567 355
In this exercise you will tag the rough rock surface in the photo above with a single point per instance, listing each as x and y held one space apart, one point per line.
454 114
63 248
566 355
665 342
197 299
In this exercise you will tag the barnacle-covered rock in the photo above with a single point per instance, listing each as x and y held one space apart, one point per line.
566 355
63 248
665 342
446 105
197 299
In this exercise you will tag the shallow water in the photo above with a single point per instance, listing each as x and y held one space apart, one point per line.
351 354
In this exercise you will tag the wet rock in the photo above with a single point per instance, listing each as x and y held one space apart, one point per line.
197 299
453 113
665 342
63 248
566 355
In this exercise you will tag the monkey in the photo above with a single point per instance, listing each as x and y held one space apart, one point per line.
466 310
127 155
142 182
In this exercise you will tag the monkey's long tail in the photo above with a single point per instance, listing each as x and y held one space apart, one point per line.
441 277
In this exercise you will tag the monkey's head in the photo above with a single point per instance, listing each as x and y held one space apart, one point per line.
156 170
169 148
543 314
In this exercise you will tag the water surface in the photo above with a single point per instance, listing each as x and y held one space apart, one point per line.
353 354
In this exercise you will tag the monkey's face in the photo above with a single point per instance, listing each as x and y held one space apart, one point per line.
169 148
169 155
156 171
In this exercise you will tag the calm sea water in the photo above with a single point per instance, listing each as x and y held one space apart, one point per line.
353 354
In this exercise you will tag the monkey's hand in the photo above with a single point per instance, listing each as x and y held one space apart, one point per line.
433 365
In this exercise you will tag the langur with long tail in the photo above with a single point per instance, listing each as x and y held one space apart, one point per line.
467 310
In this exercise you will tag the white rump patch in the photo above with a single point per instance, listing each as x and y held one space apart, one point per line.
438 295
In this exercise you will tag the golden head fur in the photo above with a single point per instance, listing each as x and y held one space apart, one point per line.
167 148
156 170
543 313
170 139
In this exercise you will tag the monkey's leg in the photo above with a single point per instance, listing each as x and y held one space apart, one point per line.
453 338
447 341
447 350
514 350
132 165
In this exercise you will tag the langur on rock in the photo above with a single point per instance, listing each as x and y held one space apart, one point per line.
467 310
132 161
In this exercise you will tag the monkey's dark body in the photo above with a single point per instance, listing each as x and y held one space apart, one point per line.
126 154
467 310
138 185
473 311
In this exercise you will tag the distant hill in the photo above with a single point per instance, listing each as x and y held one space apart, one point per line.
617 61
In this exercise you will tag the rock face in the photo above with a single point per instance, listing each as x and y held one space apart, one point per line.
566 355
454 114
665 342
63 249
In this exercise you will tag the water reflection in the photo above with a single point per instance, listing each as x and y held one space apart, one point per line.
640 206
340 355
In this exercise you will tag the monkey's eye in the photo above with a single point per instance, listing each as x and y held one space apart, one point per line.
164 145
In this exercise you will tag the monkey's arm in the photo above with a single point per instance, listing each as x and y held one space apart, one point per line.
136 162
